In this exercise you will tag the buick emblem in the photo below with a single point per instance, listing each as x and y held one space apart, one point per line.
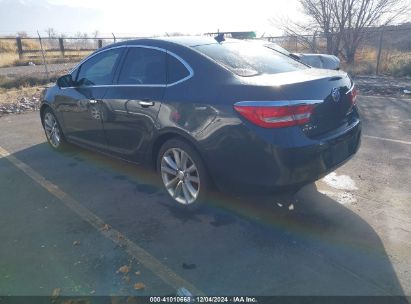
335 94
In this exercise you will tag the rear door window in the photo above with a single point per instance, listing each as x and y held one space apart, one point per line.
248 59
143 66
99 69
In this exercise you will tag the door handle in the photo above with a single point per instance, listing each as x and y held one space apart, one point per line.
146 103
92 101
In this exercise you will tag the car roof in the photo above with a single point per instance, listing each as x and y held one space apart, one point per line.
190 41
186 41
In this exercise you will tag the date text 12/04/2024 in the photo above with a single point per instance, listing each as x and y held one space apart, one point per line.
203 299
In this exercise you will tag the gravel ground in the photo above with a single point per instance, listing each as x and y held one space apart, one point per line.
23 105
35 69
19 101
383 86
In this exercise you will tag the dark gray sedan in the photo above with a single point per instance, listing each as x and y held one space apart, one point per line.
205 113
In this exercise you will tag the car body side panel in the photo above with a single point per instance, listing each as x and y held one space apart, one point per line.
128 126
81 119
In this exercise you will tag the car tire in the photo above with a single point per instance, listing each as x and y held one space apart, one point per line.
183 174
52 129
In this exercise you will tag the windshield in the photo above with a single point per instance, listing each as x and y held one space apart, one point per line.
247 59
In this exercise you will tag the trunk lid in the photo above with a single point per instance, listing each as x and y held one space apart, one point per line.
329 89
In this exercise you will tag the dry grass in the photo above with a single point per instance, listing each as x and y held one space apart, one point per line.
9 45
392 62
396 63
10 57
25 81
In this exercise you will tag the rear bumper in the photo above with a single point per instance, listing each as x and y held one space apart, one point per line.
268 167
310 163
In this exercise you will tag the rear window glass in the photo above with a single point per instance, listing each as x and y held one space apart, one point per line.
175 70
143 66
247 59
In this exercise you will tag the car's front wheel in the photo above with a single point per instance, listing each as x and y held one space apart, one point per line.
52 129
183 173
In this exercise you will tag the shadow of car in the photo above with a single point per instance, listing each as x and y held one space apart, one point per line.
233 245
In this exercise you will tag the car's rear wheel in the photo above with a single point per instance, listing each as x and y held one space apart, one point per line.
183 173
52 129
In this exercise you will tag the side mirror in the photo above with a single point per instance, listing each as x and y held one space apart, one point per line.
65 81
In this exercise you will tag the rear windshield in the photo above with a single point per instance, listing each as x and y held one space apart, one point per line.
248 59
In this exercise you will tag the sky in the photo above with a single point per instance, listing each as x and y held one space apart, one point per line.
144 18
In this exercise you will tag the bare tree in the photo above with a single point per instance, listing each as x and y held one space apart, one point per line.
82 40
354 18
298 33
345 23
321 11
172 34
51 32
22 34
52 42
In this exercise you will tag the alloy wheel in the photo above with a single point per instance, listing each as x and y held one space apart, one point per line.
52 130
180 176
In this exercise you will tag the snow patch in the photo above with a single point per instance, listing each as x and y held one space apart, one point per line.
341 182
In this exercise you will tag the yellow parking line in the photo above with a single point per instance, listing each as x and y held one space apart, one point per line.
163 272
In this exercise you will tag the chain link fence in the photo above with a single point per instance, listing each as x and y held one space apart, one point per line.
28 61
382 51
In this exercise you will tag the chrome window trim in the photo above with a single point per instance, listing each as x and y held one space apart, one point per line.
94 54
277 103
187 66
121 85
181 60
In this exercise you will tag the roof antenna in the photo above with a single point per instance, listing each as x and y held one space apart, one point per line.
220 37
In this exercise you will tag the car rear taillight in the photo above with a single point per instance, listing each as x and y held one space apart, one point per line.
272 116
352 96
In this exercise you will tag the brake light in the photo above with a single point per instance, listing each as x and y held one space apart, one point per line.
273 116
352 96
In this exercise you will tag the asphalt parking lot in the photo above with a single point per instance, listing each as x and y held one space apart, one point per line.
84 224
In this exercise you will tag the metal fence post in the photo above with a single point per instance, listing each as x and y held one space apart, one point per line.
61 44
19 47
314 44
377 68
44 57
